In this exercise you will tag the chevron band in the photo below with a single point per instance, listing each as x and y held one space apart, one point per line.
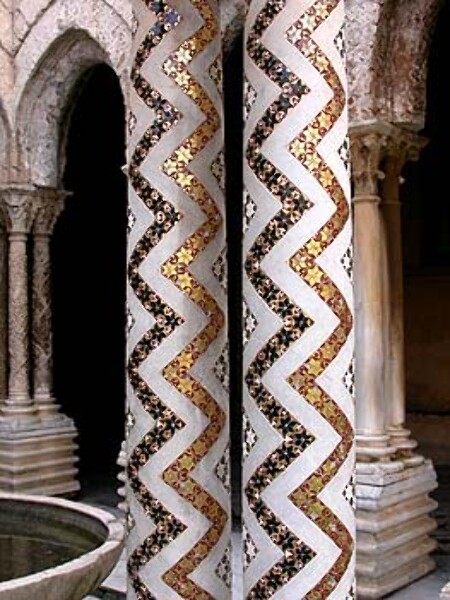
179 528
299 526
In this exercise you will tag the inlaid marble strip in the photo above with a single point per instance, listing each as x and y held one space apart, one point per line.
298 513
178 420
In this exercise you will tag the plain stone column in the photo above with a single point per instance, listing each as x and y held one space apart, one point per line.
19 211
403 146
372 439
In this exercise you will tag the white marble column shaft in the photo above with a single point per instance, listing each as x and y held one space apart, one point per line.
402 147
372 439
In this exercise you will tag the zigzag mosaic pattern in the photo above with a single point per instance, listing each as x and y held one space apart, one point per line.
299 538
178 421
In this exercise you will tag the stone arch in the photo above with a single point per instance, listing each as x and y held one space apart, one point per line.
43 111
363 29
388 46
58 51
403 61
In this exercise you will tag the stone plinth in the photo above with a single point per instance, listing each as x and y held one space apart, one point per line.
393 525
39 459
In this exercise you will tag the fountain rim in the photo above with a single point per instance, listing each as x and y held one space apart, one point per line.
115 537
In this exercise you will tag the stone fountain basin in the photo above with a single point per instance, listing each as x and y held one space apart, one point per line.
54 549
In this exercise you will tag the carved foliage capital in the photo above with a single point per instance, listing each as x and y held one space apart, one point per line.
403 147
27 208
18 209
367 150
47 214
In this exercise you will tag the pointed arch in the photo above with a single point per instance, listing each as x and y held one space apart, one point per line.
58 51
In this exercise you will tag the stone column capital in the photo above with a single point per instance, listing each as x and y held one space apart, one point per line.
367 148
403 146
18 208
378 148
50 204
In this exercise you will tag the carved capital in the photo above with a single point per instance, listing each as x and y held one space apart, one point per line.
379 148
50 205
46 217
403 147
367 151
18 208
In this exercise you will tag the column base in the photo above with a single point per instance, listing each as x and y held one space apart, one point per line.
23 414
39 458
370 447
393 525
400 439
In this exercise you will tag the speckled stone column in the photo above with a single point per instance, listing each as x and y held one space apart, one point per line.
299 445
3 313
177 447
19 212
37 453
51 203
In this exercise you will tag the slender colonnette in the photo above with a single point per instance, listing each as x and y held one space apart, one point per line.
177 467
298 514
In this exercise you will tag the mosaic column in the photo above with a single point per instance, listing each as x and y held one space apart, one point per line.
19 212
50 207
299 458
403 146
177 447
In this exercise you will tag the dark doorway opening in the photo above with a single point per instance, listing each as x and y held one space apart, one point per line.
89 275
